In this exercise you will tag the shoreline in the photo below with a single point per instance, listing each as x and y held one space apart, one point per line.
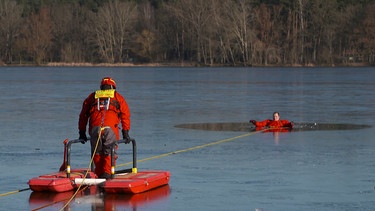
183 64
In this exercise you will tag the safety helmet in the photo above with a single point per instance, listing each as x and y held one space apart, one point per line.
107 81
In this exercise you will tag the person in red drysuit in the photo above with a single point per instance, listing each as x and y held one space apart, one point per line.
274 123
104 114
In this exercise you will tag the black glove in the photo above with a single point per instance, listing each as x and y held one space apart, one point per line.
252 121
82 137
125 136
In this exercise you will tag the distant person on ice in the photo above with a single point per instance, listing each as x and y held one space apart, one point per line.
104 109
273 123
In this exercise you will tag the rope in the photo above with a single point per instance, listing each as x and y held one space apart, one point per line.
55 202
87 171
194 148
13 192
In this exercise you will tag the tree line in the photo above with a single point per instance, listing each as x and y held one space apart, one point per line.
200 32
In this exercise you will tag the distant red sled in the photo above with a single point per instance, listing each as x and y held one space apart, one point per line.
124 181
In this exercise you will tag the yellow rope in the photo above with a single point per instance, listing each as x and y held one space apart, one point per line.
87 171
13 192
58 201
193 148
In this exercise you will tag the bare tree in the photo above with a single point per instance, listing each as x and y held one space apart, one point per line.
111 28
195 15
146 44
224 53
171 35
369 33
10 22
268 21
322 21
345 32
294 29
302 27
209 44
37 35
146 41
69 32
237 21
290 55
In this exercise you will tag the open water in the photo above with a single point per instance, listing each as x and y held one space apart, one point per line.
314 169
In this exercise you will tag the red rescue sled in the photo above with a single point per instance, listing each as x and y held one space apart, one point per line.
59 181
136 182
123 181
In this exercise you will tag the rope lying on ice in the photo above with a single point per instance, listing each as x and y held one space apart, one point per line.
13 192
194 148
58 201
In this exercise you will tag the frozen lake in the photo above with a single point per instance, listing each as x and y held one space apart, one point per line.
319 169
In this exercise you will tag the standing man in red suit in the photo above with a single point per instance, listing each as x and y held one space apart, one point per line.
104 110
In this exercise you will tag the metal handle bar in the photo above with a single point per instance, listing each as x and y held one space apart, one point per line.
134 168
113 147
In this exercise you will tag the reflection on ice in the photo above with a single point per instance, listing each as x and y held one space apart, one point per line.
246 127
93 196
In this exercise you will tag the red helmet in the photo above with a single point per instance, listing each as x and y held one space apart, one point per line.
108 81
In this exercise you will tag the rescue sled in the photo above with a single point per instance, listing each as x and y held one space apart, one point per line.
132 181
59 181
123 181
63 180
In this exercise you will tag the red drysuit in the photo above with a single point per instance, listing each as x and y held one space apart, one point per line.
108 118
274 123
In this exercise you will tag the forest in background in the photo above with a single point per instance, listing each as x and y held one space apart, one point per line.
196 32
